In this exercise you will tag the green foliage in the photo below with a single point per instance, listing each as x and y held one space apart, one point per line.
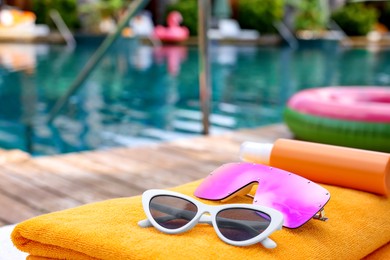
311 15
189 11
92 13
104 8
356 18
260 14
66 8
70 11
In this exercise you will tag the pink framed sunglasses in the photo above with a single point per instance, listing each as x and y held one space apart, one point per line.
297 198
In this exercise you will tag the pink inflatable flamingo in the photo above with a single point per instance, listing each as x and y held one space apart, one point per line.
174 32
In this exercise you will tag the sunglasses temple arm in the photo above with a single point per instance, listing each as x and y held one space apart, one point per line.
145 223
236 223
268 243
203 219
173 212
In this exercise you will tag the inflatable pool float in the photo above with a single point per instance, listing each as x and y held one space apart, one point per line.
347 116
173 32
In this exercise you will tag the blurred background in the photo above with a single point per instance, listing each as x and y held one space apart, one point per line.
146 89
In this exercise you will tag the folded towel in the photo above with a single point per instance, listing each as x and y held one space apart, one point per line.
379 254
358 225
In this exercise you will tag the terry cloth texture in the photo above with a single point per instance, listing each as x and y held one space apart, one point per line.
358 225
379 254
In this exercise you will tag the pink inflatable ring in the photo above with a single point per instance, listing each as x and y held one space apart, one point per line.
347 116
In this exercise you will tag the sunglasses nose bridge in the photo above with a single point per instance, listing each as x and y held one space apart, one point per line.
206 216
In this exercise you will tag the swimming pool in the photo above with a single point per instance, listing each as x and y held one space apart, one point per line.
140 94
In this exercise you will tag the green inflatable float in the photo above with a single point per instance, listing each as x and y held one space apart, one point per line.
352 116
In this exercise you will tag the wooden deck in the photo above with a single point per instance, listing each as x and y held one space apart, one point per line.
33 186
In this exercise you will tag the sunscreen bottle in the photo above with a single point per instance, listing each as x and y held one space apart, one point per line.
329 164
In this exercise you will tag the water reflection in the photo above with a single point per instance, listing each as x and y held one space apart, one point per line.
142 58
20 57
140 94
173 56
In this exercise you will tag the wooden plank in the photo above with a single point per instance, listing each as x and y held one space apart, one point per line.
209 151
263 134
33 186
139 173
175 163
33 196
105 172
72 172
12 211
13 155
124 178
48 181
225 148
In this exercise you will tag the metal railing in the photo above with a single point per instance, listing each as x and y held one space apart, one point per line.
204 65
62 28
286 34
341 35
133 8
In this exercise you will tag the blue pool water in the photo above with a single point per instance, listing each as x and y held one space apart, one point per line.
140 94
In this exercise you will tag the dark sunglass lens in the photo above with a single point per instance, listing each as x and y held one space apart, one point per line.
242 224
172 212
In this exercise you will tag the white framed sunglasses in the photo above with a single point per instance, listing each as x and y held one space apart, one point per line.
236 224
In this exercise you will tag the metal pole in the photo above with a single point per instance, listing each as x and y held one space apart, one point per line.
204 66
133 8
63 28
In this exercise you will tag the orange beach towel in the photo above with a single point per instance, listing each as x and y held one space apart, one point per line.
358 225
